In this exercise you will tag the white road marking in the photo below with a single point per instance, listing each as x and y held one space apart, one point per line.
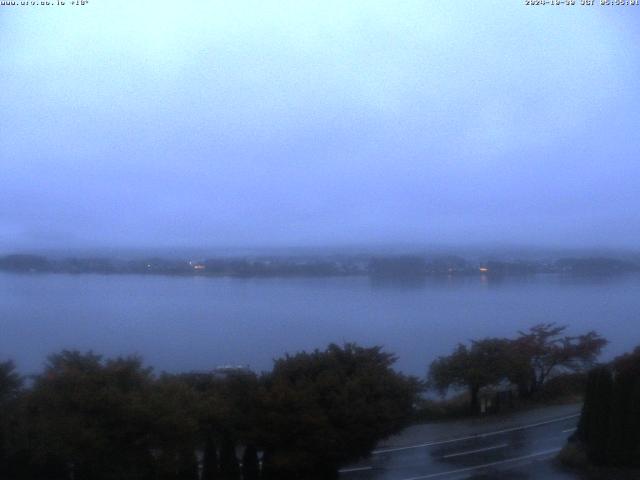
469 452
486 465
354 469
569 430
473 437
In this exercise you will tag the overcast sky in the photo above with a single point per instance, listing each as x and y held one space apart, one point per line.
276 123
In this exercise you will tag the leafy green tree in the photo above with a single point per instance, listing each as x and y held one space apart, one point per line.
227 414
544 350
485 362
327 408
89 417
173 432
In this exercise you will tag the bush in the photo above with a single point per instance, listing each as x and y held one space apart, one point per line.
564 386
573 456
428 410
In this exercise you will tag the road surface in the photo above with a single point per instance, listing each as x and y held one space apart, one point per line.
520 446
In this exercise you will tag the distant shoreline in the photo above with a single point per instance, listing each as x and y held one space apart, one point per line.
388 267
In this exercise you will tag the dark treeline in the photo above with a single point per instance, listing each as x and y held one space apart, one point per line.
88 418
525 364
389 266
84 417
609 429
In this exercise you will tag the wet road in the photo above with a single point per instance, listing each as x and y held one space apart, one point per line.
522 449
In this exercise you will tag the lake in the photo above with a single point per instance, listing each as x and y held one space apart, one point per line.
197 323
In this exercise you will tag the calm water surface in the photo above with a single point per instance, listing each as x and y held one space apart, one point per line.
198 323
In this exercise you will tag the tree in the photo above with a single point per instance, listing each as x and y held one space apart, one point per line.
10 381
596 413
327 408
609 427
624 447
227 415
172 428
486 362
543 350
90 419
10 385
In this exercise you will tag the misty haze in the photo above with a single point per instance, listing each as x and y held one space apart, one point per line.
300 240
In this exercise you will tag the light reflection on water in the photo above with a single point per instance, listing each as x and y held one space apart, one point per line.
197 323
